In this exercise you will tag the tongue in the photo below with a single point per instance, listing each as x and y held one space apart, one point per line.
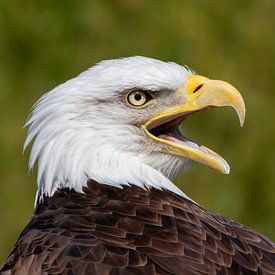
183 141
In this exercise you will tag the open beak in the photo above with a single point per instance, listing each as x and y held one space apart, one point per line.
200 93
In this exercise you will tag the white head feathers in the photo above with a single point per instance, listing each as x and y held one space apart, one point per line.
81 129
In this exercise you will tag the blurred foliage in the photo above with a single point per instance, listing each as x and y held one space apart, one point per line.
43 43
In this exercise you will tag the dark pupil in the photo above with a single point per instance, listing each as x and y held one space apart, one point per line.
137 97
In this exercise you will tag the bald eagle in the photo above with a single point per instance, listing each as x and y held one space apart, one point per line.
108 145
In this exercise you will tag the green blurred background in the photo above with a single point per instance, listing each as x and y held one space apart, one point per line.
43 43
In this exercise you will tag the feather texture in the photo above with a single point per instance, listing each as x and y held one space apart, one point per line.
109 230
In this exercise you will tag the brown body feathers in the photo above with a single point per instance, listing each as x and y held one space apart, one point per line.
107 230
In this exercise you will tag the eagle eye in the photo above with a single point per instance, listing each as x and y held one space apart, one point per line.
138 98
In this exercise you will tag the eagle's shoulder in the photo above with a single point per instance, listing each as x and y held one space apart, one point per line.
108 230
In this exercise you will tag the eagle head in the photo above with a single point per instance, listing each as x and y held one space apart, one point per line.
118 123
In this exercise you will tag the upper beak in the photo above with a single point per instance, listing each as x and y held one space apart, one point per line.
203 92
199 93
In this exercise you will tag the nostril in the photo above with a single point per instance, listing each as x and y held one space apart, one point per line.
197 88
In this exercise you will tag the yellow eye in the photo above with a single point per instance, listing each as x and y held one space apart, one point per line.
138 98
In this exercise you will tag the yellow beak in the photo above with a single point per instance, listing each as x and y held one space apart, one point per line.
199 93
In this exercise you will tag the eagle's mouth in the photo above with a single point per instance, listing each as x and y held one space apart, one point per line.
199 94
166 130
169 129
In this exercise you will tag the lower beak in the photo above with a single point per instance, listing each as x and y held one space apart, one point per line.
199 93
